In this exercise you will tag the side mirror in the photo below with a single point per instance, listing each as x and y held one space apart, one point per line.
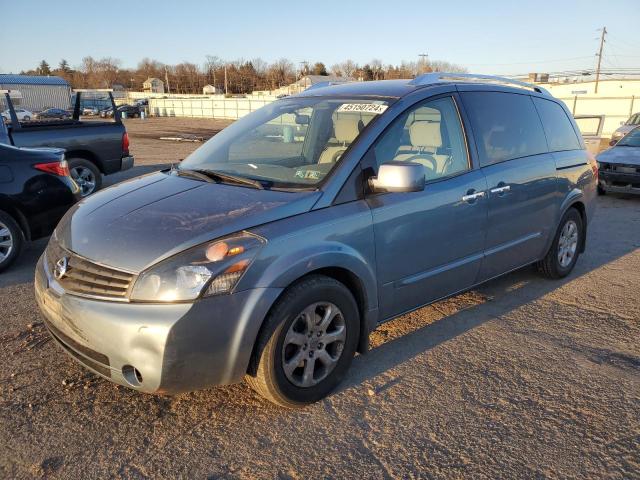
612 143
621 123
302 119
398 177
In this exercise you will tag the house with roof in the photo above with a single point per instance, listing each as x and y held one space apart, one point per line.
153 85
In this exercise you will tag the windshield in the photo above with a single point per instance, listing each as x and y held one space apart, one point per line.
291 143
634 119
631 139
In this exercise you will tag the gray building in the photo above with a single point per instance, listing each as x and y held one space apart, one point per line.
36 93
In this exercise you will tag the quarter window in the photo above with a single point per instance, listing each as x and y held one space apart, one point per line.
506 126
429 134
557 126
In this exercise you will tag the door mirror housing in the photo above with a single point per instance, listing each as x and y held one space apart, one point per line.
612 143
398 177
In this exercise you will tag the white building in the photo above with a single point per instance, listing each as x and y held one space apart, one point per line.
153 85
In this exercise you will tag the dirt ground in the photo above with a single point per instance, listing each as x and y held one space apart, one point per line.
520 378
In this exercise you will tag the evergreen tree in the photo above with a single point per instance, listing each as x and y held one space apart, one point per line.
63 66
43 68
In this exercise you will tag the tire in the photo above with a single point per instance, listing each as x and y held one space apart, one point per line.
11 240
286 340
601 191
86 174
551 265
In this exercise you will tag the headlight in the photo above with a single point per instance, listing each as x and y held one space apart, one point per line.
208 269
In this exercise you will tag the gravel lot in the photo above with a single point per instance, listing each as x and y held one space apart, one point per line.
521 378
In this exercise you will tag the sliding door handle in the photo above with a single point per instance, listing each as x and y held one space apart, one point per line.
471 197
503 189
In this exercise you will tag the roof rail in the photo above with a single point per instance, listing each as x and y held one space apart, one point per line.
438 77
327 84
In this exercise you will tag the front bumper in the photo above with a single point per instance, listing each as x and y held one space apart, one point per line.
175 347
620 182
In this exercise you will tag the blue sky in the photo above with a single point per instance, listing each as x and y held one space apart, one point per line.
505 37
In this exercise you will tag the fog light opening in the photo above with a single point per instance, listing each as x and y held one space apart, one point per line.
132 375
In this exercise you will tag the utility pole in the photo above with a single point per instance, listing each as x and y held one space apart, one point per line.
166 79
604 32
226 88
423 62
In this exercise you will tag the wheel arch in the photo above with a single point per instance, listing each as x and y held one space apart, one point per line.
351 281
15 213
85 155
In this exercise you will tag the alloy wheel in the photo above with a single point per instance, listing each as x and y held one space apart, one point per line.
313 344
6 242
567 243
85 179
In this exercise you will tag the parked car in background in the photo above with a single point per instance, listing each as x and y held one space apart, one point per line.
90 111
53 114
591 129
271 256
131 111
619 166
92 148
22 114
36 190
625 127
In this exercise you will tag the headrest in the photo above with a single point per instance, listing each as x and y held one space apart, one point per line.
347 128
425 134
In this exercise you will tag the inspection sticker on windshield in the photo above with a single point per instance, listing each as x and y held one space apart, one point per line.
374 108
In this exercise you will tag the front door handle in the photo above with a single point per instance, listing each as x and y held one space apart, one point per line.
502 189
471 197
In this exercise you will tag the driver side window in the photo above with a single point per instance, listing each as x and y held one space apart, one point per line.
429 133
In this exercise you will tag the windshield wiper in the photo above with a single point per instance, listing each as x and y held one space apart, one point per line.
183 172
224 176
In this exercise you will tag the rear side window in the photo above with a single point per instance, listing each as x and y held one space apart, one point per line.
557 126
506 126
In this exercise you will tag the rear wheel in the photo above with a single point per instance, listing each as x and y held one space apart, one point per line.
86 175
307 343
601 191
565 249
11 240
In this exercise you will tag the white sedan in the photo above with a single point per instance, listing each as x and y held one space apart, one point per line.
22 114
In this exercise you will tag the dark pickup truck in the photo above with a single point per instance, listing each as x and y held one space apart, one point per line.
93 148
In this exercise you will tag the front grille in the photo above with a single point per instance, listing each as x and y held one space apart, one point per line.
84 277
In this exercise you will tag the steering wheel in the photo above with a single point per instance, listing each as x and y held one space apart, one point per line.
423 158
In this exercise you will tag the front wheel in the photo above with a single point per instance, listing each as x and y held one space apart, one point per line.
11 240
86 175
565 249
306 344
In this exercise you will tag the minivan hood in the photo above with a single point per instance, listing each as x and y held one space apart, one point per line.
136 223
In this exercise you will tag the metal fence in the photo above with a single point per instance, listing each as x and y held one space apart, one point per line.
231 108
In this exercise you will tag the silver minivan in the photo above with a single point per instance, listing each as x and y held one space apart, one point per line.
273 251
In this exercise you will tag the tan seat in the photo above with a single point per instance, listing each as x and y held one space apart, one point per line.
426 139
346 129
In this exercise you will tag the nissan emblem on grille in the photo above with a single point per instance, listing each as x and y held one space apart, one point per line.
61 268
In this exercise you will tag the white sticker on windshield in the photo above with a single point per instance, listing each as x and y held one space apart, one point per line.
375 108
